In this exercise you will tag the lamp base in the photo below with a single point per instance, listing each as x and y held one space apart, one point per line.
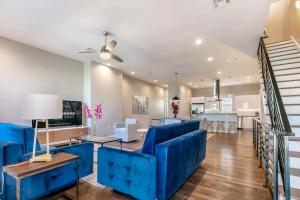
42 158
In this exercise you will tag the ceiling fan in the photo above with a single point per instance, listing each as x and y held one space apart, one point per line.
106 50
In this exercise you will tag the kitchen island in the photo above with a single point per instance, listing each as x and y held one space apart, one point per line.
217 116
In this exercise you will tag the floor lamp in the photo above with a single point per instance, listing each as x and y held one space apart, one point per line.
41 107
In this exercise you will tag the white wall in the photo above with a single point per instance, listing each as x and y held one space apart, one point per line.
185 102
106 84
185 94
156 95
24 69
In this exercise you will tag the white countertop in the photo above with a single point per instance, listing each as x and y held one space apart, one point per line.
220 113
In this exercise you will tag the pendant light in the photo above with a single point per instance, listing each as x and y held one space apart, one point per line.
176 98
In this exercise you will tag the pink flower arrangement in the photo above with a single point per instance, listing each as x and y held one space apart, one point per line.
87 111
98 111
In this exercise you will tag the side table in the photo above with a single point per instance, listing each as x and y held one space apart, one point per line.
26 169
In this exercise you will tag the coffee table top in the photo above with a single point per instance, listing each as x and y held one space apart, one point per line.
99 140
27 168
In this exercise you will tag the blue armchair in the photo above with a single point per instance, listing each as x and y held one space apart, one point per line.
171 153
16 145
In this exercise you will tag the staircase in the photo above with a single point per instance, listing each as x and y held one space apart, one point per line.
285 61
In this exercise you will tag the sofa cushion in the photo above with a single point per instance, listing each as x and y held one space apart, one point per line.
191 125
177 159
159 134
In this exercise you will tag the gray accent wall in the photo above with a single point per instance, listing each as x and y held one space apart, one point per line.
25 69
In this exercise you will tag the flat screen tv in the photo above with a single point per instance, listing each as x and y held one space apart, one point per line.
72 116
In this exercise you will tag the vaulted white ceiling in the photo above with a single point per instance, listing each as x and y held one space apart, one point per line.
155 38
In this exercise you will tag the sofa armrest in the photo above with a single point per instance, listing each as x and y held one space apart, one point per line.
10 152
177 159
85 152
128 172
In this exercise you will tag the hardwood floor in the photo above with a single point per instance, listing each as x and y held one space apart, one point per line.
230 171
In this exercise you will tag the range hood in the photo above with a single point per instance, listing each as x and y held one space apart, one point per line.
216 89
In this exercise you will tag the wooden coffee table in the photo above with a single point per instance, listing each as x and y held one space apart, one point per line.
25 169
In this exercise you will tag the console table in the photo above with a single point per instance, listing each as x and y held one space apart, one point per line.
60 134
25 169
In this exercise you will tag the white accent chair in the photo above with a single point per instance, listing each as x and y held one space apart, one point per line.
127 131
172 121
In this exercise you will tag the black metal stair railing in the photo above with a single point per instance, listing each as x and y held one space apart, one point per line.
280 126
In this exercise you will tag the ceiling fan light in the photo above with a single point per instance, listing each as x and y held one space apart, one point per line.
105 55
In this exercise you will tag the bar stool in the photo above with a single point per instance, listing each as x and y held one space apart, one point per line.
232 126
220 126
209 125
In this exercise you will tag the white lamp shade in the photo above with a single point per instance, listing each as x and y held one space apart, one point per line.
42 106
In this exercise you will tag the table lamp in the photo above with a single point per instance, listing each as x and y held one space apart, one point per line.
41 107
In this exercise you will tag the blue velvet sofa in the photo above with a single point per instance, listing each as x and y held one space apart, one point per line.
170 154
16 144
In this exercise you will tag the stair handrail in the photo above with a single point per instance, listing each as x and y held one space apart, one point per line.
279 121
280 105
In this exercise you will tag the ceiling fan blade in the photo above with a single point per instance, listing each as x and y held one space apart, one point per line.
111 45
88 50
117 58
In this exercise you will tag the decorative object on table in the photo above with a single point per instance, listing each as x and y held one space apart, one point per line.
140 105
175 108
42 107
176 98
97 115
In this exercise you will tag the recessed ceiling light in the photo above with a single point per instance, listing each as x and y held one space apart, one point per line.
196 86
228 60
190 83
108 64
210 59
198 41
155 81
132 73
248 77
166 85
219 72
